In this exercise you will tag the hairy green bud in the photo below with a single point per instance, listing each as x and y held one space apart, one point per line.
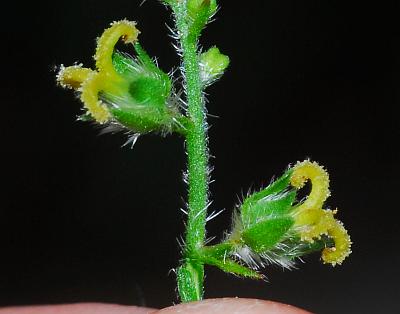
199 12
213 65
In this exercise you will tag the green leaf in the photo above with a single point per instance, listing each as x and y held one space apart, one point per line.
266 234
220 250
219 255
232 267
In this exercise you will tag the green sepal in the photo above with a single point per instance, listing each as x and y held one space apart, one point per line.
275 205
121 63
150 92
143 122
273 201
144 107
146 60
266 234
148 84
189 279
277 186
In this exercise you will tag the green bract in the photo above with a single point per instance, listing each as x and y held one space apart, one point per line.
267 233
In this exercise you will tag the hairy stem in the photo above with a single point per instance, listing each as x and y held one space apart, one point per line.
190 284
197 153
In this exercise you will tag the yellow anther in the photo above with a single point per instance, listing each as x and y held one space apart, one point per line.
126 30
73 76
90 90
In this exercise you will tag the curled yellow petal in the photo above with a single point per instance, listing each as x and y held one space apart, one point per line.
342 249
73 76
323 222
310 211
308 170
126 30
311 220
90 90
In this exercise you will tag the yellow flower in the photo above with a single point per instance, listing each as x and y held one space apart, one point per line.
127 92
311 220
105 79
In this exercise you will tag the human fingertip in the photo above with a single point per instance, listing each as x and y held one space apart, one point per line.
232 305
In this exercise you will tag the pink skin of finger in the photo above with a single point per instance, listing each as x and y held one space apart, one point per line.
80 308
232 306
209 306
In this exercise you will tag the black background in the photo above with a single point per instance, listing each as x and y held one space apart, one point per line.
84 220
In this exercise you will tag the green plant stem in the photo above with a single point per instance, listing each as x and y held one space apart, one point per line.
196 146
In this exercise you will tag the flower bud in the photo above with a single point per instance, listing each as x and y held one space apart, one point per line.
198 6
213 65
199 13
